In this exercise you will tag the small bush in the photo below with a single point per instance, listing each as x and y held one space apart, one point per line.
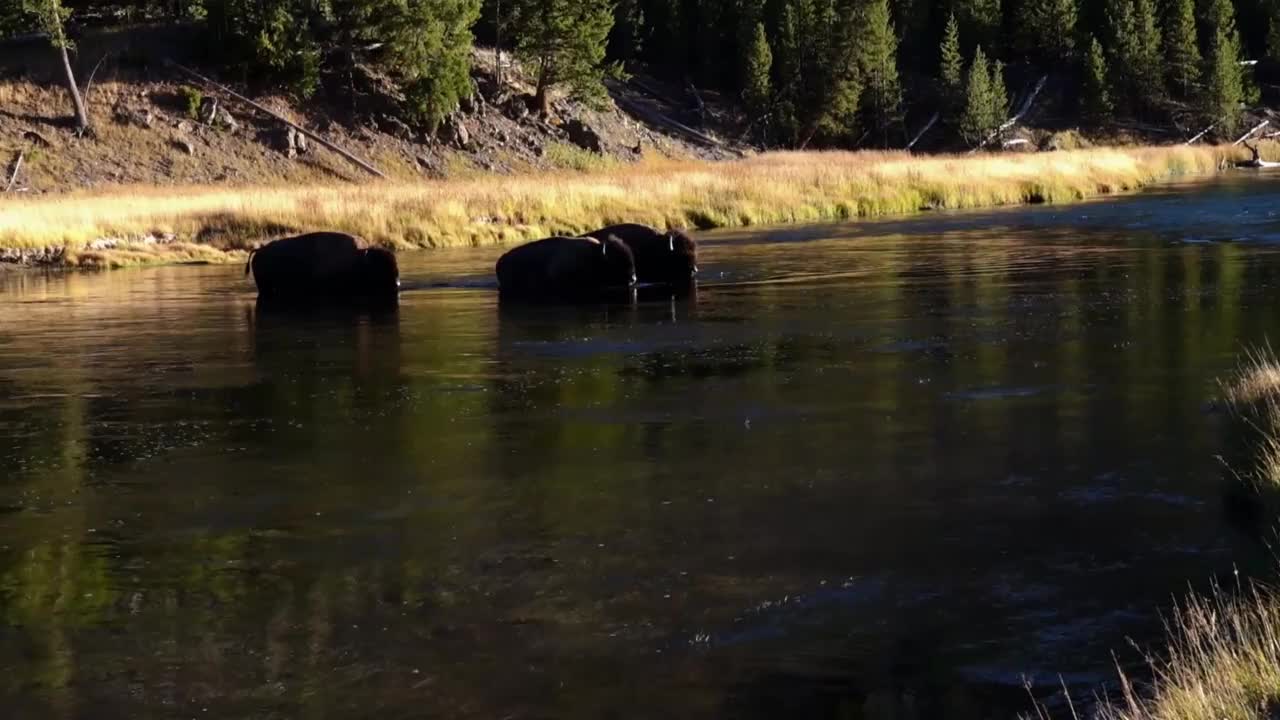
572 157
192 99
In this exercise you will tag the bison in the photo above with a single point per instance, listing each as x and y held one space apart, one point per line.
323 265
669 258
568 268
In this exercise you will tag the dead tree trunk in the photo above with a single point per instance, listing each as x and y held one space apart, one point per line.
82 115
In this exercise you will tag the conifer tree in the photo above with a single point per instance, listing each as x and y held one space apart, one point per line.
999 94
1224 80
1135 60
1181 50
759 62
878 66
1048 28
1095 100
976 120
429 43
786 76
563 42
1273 34
1146 69
951 66
979 20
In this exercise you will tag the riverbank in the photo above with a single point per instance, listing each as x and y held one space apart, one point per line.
134 225
1223 658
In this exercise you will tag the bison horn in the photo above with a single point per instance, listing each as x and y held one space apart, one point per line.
671 243
604 248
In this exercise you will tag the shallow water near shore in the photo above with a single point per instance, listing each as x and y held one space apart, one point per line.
866 471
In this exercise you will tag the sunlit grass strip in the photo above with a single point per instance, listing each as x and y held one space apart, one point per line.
1223 663
772 188
1257 380
1253 395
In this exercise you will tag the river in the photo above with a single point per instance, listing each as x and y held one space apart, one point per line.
870 470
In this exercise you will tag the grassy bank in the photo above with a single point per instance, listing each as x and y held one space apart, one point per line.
1223 659
772 188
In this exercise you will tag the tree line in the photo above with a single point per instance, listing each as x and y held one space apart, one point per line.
805 72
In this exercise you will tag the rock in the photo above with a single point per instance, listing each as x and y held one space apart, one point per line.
131 116
226 120
208 110
453 131
184 145
516 107
395 127
583 136
288 141
184 126
36 138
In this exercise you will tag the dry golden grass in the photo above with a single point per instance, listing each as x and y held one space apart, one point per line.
1223 663
772 188
1257 380
1253 394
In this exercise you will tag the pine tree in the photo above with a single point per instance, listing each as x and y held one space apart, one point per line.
979 20
1135 60
878 65
1095 100
563 42
951 66
1224 81
1181 51
50 16
1273 34
1146 67
429 43
786 78
1048 28
976 120
999 94
759 61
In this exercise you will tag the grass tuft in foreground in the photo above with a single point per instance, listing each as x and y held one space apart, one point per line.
1253 396
1223 663
772 188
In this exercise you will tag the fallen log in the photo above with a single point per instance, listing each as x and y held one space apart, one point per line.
932 121
17 165
1201 134
1022 110
1249 134
231 93
659 119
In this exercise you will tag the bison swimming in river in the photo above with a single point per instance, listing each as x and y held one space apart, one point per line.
661 257
566 268
323 265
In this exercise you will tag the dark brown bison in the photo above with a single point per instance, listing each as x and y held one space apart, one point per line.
661 257
323 264
566 268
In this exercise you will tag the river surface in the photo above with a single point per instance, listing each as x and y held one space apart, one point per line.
882 470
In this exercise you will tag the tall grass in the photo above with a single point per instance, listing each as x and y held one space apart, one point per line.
1253 396
771 188
1223 659
1223 663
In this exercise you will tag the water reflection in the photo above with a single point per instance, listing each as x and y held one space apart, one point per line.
873 477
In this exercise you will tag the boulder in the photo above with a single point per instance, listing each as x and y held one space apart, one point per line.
184 145
583 136
453 131
126 115
208 110
226 120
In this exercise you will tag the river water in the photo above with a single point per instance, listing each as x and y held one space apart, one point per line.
879 470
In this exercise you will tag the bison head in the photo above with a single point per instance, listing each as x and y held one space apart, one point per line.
381 273
682 262
617 263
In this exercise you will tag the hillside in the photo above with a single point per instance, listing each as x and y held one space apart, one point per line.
150 128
